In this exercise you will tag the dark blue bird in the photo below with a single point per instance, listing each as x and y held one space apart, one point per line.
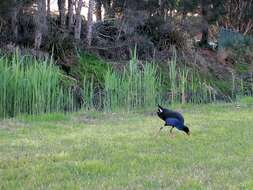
173 119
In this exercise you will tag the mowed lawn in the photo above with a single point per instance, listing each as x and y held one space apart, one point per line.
123 151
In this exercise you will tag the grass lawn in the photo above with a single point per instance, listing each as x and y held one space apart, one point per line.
122 151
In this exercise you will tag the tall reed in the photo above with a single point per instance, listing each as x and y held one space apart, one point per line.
173 77
186 85
88 93
136 87
140 86
31 86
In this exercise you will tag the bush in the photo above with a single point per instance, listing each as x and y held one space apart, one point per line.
90 67
245 100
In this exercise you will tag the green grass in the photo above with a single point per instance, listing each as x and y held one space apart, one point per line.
121 151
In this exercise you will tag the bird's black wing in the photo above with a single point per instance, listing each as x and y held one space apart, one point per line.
172 114
164 114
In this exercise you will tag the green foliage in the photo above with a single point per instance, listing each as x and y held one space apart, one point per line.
186 85
245 100
225 86
62 45
238 86
32 87
233 39
140 86
91 71
242 58
90 67
89 95
134 88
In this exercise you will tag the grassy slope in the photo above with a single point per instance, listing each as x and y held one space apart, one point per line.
122 151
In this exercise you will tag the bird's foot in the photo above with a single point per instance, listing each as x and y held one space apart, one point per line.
172 135
159 131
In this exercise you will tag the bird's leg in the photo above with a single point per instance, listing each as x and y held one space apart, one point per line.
171 130
159 130
171 134
162 127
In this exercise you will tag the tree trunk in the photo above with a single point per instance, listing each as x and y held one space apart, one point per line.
40 23
109 12
161 8
78 20
165 16
70 14
48 8
160 3
61 8
98 10
14 21
89 23
44 14
204 24
183 20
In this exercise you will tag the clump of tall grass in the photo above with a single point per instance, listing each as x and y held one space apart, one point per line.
133 88
32 87
186 85
89 94
241 85
140 86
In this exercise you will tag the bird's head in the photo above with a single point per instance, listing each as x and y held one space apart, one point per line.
160 109
186 130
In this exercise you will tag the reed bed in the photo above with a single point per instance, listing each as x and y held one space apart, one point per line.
29 86
186 85
138 86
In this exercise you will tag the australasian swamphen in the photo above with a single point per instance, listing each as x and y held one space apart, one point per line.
173 119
